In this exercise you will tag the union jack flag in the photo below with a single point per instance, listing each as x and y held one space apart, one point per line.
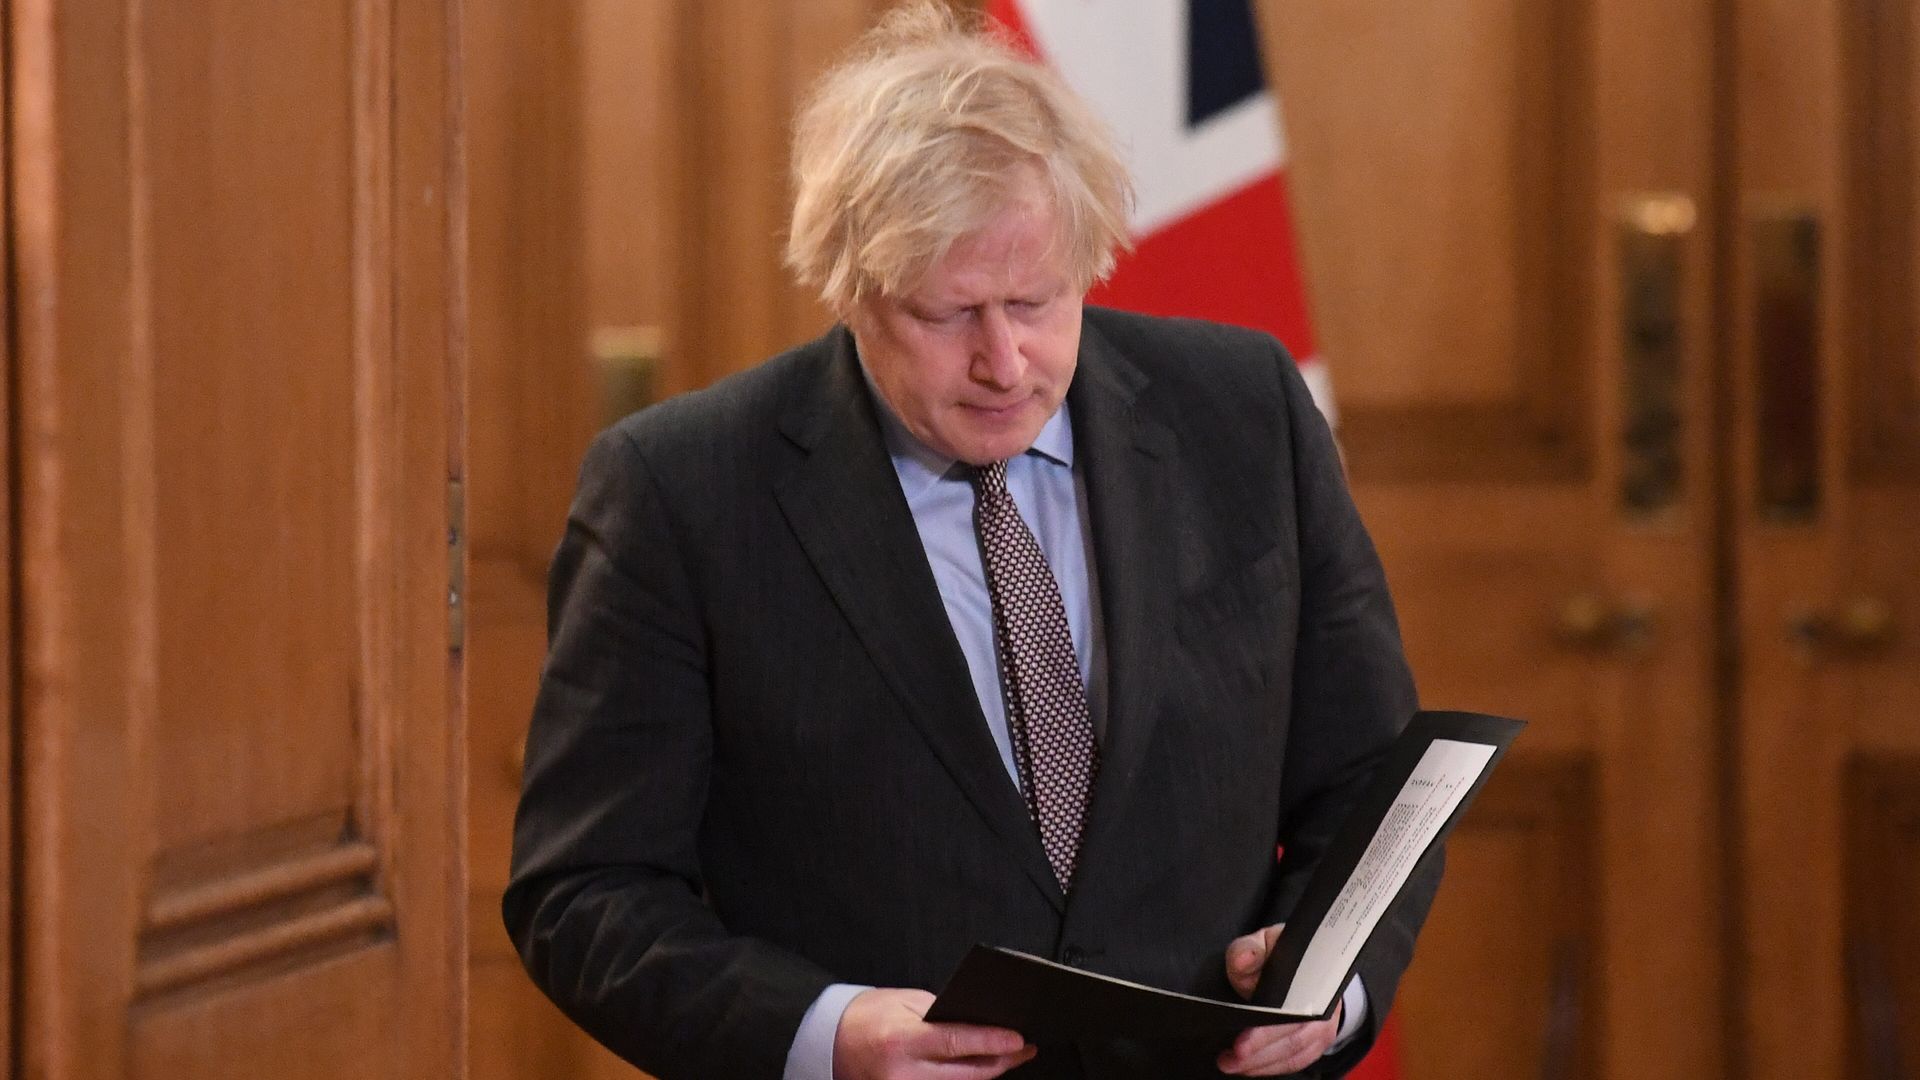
1181 84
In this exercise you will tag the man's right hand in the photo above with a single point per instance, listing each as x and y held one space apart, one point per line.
884 1035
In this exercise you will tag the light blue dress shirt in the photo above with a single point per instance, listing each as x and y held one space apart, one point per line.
1052 501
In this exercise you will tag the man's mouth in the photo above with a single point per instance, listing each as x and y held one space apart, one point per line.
1001 409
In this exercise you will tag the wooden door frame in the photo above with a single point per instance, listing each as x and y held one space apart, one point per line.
9 653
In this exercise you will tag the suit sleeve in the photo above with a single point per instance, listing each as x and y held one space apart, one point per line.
1352 694
605 901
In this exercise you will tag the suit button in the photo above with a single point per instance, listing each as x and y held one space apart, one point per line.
1072 954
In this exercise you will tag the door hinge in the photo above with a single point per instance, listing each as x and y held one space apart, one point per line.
456 565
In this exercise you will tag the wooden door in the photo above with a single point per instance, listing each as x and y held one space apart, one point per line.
1825 508
1504 210
235 230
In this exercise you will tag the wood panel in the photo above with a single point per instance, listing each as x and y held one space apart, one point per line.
735 304
1518 914
627 63
1828 597
517 1033
320 1025
532 385
260 589
240 718
9 657
1883 916
1448 235
1883 310
559 213
1494 153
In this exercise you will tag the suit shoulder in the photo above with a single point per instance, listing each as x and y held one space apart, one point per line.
1194 356
1163 336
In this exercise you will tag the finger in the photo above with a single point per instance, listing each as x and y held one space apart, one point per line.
1252 1045
979 1068
1261 1043
1243 963
1250 950
1247 954
1282 1048
1270 935
956 1042
1283 1060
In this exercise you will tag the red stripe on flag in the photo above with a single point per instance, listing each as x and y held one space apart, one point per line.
1383 1061
1007 14
1230 261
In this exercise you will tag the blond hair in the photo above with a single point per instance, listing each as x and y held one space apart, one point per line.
923 134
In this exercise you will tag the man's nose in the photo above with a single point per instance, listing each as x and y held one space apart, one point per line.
997 358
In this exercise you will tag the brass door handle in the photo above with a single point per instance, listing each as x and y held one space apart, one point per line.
1861 624
1589 621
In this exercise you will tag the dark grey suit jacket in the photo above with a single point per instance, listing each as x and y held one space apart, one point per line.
757 765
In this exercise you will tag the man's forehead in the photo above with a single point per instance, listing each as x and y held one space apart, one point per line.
1011 277
988 263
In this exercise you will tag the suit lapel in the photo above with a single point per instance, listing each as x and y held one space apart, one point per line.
1130 463
844 503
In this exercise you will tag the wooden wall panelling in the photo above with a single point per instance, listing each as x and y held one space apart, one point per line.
732 180
239 710
428 862
534 401
1883 310
626 58
1520 912
1794 739
1661 787
9 657
1449 246
736 304
517 1034
1883 916
1828 598
1461 180
557 218
70 493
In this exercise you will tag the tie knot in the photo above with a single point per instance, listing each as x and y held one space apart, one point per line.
990 480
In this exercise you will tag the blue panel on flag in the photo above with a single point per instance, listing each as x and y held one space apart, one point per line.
1223 57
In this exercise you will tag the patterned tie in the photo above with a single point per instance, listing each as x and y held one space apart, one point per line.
1047 714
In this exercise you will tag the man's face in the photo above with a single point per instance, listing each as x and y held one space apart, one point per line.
977 357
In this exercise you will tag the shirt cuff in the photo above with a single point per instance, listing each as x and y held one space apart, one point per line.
811 1055
1353 1015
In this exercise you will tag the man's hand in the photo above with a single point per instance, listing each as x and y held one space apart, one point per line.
1280 1048
883 1036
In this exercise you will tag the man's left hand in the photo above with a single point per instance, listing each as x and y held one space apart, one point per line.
1279 1048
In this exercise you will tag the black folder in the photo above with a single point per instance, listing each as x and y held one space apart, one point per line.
1416 796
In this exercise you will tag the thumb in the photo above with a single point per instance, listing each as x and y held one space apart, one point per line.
1244 958
1247 955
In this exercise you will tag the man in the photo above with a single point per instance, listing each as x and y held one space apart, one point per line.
985 617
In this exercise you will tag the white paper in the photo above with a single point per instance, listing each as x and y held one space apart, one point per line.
1445 773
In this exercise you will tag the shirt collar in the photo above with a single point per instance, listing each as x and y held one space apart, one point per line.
920 466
